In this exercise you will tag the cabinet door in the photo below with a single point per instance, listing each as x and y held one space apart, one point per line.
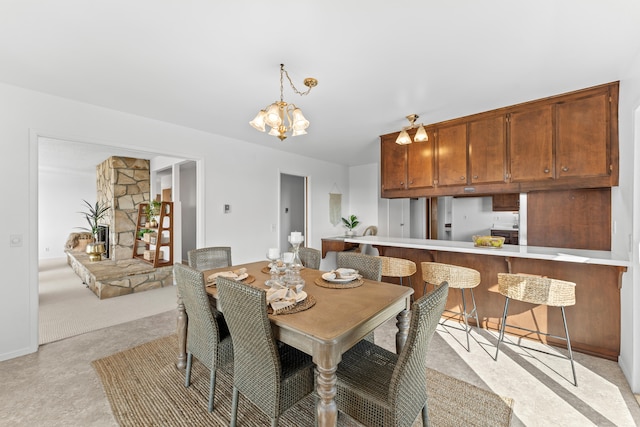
531 144
393 164
452 155
506 202
582 143
487 150
420 163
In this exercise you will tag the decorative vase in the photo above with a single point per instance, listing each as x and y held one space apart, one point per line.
349 233
95 251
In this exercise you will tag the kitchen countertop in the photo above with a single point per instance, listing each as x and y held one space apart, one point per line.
532 252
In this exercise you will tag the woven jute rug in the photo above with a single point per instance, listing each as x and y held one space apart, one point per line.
145 388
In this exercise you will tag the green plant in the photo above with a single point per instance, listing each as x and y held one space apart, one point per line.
93 215
143 231
153 209
351 223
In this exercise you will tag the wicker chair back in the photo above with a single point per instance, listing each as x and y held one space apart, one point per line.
209 258
310 257
370 267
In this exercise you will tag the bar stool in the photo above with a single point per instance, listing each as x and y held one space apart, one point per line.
398 267
458 277
540 291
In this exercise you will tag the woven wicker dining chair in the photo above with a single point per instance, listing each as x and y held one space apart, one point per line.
273 376
460 278
379 388
540 291
370 267
207 337
209 258
310 257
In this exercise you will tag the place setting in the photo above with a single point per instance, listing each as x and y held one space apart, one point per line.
340 278
239 275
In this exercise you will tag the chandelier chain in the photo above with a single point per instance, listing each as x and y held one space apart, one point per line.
283 71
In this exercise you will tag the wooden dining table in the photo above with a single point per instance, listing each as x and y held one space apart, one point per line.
340 318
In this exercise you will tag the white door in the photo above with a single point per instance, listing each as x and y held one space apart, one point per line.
399 218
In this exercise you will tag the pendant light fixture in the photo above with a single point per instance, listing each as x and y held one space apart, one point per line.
420 136
281 117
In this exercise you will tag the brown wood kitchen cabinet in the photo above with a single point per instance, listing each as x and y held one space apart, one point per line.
531 144
451 155
487 150
582 135
393 164
505 202
406 166
563 142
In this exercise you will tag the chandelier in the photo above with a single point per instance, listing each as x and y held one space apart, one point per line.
420 136
281 117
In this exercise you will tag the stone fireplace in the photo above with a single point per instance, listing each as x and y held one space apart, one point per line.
122 183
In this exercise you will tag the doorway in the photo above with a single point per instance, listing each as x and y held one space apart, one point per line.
293 207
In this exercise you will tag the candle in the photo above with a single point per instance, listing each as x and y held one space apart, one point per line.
274 253
296 237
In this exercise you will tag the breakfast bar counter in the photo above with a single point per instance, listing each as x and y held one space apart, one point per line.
594 321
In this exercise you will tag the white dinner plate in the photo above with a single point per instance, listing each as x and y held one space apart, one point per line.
328 278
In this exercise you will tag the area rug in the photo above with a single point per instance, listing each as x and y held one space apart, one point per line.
145 388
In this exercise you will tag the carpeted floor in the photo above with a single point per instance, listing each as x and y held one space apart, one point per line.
145 388
68 307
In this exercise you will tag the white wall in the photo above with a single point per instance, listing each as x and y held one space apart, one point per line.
471 216
625 235
362 197
251 187
60 201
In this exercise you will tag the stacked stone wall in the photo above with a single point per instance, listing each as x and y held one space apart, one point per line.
123 183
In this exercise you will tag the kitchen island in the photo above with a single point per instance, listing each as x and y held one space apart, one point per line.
594 322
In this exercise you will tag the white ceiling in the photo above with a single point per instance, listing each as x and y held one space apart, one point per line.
211 65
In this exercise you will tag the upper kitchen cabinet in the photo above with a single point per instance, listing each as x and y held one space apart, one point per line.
420 162
487 150
451 155
562 142
406 167
531 144
393 164
583 135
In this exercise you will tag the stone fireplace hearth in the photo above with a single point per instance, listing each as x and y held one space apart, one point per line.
122 183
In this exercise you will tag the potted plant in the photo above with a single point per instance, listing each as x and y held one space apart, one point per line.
153 210
351 223
93 215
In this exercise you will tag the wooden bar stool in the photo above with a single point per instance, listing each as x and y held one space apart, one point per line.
540 291
458 277
398 267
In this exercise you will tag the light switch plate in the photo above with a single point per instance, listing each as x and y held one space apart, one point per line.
15 240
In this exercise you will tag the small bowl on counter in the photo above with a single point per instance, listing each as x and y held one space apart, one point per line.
488 241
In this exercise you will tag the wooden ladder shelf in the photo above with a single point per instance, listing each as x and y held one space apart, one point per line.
159 241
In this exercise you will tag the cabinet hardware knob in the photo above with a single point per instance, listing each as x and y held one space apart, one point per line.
565 169
462 178
546 170
475 176
401 183
411 182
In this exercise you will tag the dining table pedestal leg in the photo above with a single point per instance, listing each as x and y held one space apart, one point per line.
326 357
182 335
403 329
